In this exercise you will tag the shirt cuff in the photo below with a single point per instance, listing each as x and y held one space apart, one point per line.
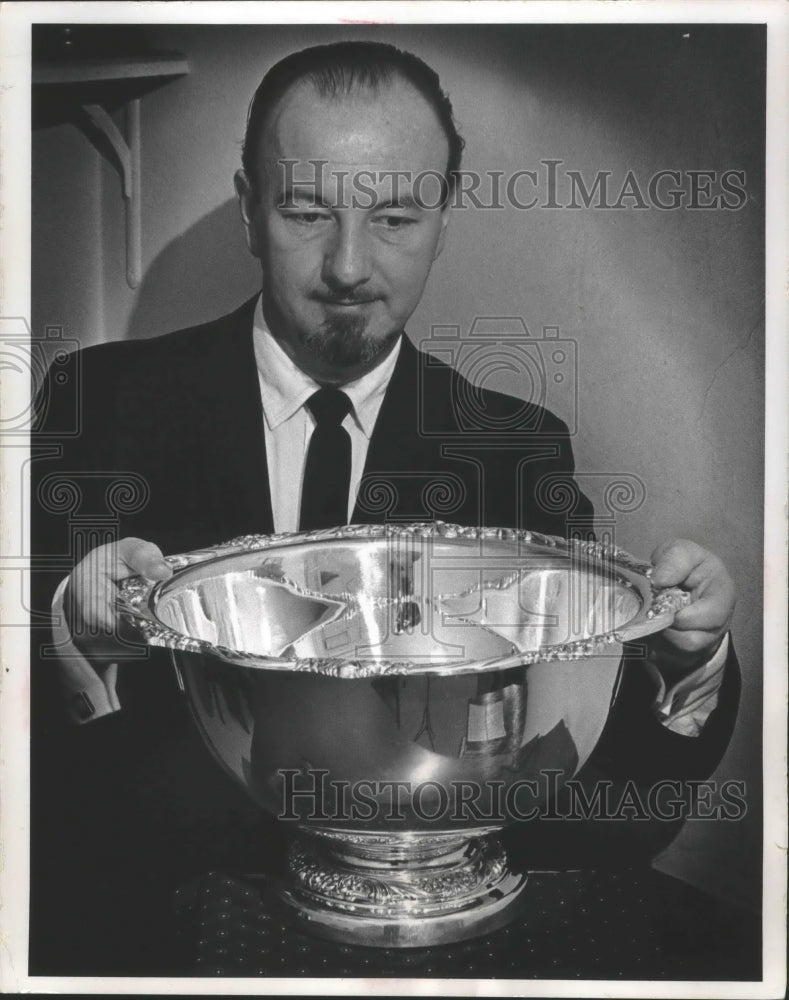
89 691
685 706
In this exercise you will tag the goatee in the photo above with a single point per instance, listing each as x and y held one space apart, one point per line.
345 343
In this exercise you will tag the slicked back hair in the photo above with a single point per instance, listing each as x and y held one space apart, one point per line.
342 68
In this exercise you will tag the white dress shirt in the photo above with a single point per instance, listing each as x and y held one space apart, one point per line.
284 389
288 425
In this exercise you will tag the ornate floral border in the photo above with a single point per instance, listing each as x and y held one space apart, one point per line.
137 600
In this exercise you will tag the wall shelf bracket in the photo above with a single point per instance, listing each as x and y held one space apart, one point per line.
125 152
86 91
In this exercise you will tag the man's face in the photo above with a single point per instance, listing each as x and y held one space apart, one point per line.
346 244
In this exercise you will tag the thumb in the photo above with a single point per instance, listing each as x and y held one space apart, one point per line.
137 557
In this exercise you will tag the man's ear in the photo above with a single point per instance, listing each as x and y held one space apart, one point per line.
247 203
443 234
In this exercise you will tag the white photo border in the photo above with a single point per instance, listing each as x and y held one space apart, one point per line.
15 22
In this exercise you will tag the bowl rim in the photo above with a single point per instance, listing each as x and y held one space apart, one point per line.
137 597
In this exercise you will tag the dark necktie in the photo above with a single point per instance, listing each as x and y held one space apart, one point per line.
327 473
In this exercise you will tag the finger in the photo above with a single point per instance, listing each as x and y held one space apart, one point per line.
671 543
136 557
88 587
661 549
693 642
674 561
100 607
92 584
93 594
704 573
711 612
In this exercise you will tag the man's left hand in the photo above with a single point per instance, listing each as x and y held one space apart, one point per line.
699 628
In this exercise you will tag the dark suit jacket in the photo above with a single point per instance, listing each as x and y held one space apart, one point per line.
183 412
179 419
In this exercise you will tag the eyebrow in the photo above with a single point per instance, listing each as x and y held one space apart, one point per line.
306 191
404 201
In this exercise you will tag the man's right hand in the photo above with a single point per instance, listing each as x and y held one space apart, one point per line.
89 600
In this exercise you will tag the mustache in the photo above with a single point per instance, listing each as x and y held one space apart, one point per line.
345 298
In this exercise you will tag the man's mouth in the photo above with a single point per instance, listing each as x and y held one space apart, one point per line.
336 300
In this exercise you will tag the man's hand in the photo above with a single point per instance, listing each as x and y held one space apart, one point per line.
698 629
89 600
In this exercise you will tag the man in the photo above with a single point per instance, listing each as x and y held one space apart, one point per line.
220 422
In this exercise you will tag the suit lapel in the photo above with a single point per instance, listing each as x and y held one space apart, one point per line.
399 456
233 439
403 459
233 450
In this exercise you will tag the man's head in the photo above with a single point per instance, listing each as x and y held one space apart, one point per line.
349 153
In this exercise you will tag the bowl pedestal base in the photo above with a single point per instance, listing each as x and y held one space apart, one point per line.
405 890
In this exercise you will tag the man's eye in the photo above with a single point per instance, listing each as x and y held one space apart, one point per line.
395 221
307 218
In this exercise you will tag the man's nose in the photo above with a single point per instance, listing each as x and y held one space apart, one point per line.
347 261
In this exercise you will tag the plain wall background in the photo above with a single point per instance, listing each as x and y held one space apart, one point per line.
666 307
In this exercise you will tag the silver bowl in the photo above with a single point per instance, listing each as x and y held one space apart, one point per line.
397 694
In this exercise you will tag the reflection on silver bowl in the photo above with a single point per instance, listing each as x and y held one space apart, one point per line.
390 690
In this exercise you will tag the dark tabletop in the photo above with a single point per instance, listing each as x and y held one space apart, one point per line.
631 924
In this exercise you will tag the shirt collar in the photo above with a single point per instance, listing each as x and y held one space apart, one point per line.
285 388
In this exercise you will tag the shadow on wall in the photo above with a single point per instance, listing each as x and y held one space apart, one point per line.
203 273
